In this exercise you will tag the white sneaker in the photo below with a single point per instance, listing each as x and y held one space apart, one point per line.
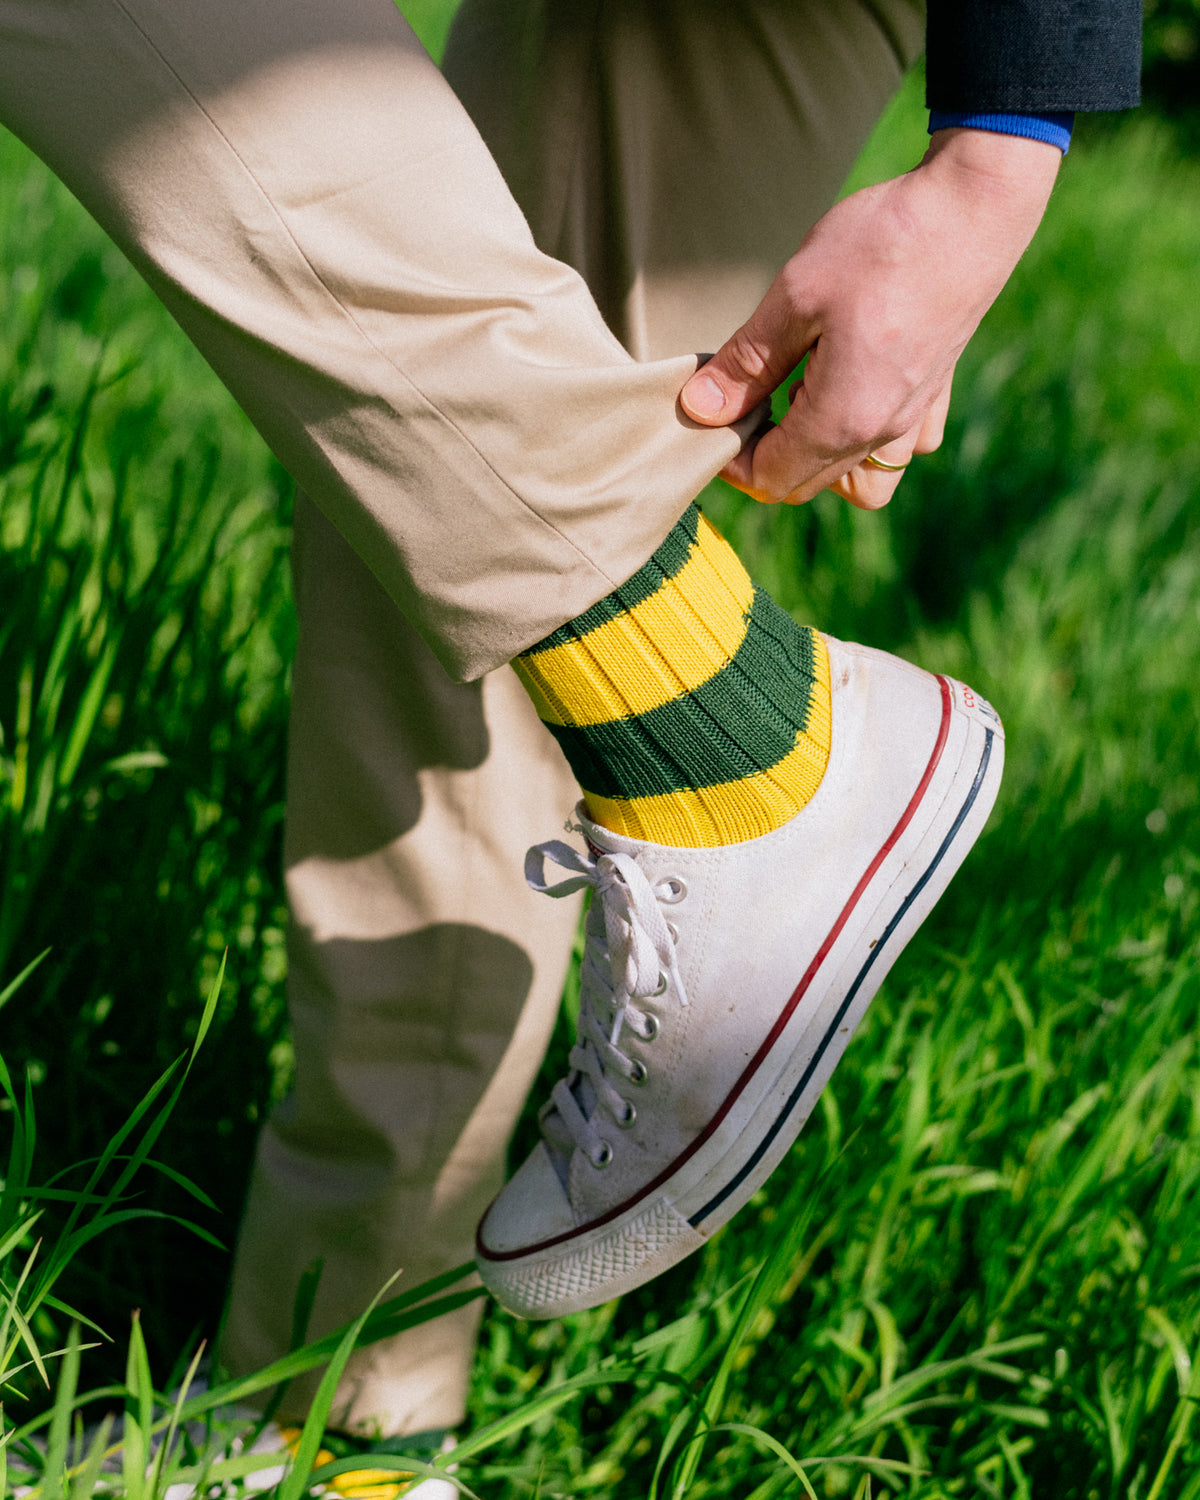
721 987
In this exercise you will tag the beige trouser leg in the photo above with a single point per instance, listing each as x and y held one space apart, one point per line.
310 200
423 985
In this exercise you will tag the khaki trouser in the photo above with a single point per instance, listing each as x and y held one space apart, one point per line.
485 460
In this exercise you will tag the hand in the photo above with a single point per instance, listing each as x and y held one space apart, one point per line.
882 295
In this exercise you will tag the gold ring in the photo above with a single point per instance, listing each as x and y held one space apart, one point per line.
882 463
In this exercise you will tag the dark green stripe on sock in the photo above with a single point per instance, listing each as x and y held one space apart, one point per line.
742 721
665 563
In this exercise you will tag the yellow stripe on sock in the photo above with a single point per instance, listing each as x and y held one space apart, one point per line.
670 643
706 817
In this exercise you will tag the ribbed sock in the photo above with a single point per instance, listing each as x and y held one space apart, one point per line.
692 709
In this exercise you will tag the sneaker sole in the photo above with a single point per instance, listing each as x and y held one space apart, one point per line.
677 1212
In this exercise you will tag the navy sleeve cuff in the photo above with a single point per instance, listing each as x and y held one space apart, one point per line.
1054 129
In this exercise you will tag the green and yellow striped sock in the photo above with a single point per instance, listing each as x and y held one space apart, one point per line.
692 709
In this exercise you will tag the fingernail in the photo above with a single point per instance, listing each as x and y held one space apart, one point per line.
703 397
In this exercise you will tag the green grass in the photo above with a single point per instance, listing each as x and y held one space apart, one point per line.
979 1268
143 635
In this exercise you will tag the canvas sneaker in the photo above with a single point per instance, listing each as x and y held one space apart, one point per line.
721 986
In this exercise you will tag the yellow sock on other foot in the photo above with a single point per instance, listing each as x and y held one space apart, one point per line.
365 1483
692 709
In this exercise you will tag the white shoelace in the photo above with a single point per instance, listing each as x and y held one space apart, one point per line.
629 955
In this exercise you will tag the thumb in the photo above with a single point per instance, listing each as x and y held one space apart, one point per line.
747 367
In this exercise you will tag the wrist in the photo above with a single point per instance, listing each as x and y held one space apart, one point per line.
1012 171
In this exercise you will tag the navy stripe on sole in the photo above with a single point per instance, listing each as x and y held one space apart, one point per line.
714 1203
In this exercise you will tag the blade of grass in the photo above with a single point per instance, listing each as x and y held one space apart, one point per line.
11 989
547 1401
210 1009
302 1306
131 1123
86 714
71 1195
72 1238
139 1414
135 1161
85 1482
163 1455
28 1130
794 1218
20 1155
78 1317
13 1316
106 1222
1182 1421
53 1472
13 1237
54 679
29 1429
47 1416
773 1445
297 1479
312 1355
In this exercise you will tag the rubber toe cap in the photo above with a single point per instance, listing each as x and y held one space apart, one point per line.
531 1209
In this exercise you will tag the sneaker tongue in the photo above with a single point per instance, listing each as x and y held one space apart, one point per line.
601 840
558 1139
606 841
559 1146
558 1142
585 1095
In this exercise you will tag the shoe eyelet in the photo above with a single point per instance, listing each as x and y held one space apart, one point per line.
626 1120
638 1073
651 1028
676 890
604 1157
661 988
674 931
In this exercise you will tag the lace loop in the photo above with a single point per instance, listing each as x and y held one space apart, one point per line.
562 854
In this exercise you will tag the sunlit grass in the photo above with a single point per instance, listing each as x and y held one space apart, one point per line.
977 1272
